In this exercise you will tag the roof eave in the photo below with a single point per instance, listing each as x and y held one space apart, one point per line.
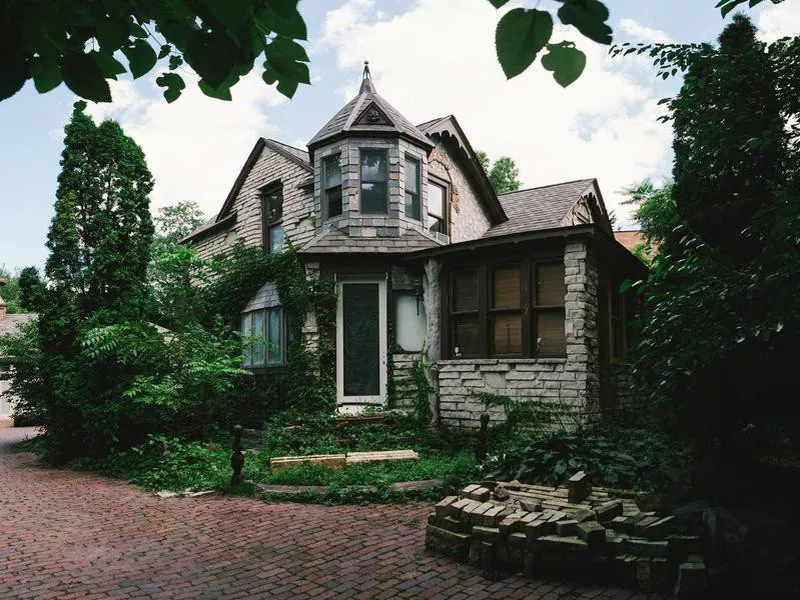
512 238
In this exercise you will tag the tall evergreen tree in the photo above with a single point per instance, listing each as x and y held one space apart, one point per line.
99 243
100 236
730 141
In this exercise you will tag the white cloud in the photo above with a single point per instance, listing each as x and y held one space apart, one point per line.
640 33
603 126
779 20
195 146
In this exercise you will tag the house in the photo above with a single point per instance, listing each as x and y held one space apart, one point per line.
8 324
512 294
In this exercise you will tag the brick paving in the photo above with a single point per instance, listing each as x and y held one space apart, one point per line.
69 535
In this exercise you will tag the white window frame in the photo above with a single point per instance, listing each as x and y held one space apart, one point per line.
356 403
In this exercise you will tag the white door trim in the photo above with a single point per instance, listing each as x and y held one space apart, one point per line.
353 403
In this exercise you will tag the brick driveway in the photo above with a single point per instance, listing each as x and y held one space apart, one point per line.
71 535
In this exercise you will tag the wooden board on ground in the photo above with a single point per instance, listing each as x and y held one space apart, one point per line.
332 461
387 455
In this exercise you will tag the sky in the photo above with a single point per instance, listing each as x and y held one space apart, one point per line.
429 58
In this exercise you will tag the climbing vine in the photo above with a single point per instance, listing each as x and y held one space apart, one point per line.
308 384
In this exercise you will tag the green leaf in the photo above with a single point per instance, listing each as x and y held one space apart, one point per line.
498 3
289 48
213 55
174 84
111 34
287 21
287 67
141 58
84 76
46 75
164 52
287 87
565 61
175 61
233 14
111 66
589 17
220 93
520 35
13 74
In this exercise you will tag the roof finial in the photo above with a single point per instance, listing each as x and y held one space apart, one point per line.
366 80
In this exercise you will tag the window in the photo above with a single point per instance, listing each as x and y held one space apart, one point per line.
465 315
437 204
548 309
265 333
412 189
374 189
272 211
507 310
332 194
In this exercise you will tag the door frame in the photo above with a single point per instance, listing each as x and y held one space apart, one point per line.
356 403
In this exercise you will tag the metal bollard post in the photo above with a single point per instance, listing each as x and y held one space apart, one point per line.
237 458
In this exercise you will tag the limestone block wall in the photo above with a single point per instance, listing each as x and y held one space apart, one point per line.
572 383
468 220
401 370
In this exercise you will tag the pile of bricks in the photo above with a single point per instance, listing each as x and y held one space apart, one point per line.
577 529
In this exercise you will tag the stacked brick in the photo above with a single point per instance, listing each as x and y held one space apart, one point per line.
574 529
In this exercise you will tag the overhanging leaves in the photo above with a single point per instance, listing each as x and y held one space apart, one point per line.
565 61
141 57
174 84
589 17
520 35
84 76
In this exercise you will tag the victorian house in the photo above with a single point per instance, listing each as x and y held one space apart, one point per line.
513 294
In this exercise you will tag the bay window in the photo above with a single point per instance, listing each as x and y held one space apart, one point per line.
374 186
332 194
507 310
412 188
264 334
437 208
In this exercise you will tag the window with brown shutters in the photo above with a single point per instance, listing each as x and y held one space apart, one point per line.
548 309
507 310
465 314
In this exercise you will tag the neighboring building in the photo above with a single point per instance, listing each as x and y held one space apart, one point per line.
8 324
512 294
633 239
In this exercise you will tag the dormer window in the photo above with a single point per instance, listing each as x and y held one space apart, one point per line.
437 208
332 194
412 188
374 189
272 209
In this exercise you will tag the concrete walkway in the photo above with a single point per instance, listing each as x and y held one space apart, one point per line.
67 535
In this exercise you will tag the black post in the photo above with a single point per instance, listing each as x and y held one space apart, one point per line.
480 449
237 458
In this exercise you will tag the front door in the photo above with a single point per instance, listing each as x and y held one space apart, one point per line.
361 343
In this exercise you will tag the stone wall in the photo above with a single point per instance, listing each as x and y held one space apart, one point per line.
468 220
401 371
572 383
297 206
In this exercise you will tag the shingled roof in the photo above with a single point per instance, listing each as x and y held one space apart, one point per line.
539 208
337 242
349 119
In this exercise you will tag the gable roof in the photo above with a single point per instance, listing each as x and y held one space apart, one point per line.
338 242
295 155
448 128
348 120
539 208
